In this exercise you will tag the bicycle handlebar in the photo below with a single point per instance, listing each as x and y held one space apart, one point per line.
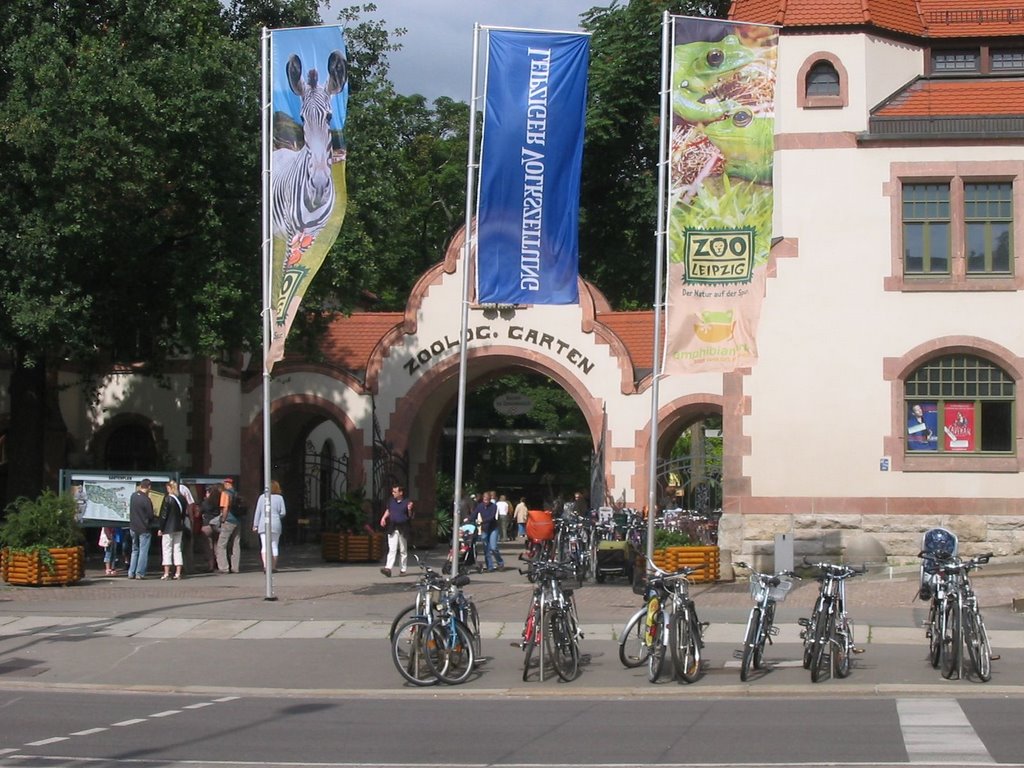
762 575
681 573
838 570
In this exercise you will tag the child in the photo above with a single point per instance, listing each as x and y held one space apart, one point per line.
107 542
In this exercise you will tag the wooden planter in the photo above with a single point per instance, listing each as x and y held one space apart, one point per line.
674 558
29 570
351 547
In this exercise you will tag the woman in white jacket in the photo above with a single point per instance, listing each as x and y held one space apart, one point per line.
259 525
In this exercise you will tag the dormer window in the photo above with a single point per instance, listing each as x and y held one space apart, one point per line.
950 61
823 80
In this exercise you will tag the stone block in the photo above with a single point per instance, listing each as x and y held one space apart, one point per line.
766 526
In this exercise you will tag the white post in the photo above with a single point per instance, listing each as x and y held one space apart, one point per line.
666 117
268 254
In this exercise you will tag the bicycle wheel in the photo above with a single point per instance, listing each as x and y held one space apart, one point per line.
560 644
682 639
978 649
592 557
809 634
402 617
632 650
934 634
449 651
839 648
950 654
471 618
764 634
750 642
822 633
531 634
408 652
656 653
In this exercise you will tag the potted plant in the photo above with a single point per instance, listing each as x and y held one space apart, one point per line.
676 549
348 536
41 541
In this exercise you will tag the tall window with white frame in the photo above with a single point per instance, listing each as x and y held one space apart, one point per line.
960 404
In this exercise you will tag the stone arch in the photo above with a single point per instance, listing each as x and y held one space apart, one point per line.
483 363
98 445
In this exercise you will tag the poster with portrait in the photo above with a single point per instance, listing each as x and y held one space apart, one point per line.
922 427
958 427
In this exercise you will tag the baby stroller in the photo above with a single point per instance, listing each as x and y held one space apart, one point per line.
467 551
937 544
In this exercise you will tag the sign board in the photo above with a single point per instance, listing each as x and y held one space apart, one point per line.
102 497
513 404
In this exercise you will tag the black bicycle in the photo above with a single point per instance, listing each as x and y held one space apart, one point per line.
954 618
766 589
828 634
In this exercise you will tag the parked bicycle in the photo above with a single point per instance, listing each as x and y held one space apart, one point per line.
954 618
828 633
440 641
552 624
576 545
670 626
766 589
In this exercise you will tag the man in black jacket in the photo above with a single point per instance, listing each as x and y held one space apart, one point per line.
140 521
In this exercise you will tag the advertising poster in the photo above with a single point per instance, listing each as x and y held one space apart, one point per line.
922 427
720 193
958 426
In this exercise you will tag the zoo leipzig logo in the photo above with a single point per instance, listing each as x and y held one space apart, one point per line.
718 256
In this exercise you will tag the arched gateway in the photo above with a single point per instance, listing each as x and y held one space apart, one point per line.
390 381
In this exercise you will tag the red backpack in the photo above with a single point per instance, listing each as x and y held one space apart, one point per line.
539 525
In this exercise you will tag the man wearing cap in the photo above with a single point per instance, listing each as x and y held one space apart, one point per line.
228 551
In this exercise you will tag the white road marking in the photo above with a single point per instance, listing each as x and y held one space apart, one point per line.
938 731
44 742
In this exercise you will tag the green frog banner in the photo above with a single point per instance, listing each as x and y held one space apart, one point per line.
719 191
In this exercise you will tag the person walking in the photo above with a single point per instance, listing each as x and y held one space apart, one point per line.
488 513
522 514
259 523
172 527
140 520
397 519
503 510
108 544
228 550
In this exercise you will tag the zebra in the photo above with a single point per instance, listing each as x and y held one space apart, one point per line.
302 189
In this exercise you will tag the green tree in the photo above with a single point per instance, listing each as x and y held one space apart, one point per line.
129 182
619 188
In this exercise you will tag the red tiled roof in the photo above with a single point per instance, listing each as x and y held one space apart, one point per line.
636 329
930 98
921 18
348 341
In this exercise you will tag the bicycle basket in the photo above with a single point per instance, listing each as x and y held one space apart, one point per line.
776 593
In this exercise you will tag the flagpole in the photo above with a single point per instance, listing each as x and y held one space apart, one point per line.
268 252
460 430
662 229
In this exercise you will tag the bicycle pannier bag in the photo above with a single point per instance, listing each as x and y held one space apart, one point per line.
539 525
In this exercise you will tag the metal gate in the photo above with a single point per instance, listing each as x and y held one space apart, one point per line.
693 483
324 478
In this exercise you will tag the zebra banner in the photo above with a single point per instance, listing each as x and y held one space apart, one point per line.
309 101
530 162
720 194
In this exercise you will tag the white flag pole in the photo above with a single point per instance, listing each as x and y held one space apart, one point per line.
662 226
460 430
268 253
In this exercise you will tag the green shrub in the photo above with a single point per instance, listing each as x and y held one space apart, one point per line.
664 538
39 525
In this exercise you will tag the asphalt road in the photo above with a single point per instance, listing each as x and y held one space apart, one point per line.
69 728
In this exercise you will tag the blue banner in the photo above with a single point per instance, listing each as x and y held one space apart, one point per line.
528 210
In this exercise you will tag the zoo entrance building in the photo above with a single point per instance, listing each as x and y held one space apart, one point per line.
894 118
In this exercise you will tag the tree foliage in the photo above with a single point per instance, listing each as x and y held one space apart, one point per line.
618 198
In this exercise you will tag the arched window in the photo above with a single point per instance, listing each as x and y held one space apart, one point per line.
959 404
130 446
822 80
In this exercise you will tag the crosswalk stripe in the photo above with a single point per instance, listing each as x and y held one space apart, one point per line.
938 731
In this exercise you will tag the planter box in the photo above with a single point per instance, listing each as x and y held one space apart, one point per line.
351 547
674 558
29 570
